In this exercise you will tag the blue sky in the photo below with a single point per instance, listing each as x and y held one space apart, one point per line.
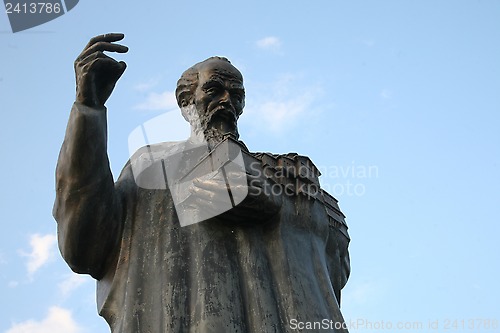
396 101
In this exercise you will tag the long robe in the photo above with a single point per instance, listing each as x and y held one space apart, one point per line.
154 276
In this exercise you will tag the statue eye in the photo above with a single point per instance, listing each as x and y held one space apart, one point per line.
238 98
213 90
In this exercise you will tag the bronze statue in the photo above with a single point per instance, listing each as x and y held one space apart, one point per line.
273 259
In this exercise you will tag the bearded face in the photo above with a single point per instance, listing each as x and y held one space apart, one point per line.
218 101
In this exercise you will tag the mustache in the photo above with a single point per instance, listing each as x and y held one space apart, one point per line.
223 111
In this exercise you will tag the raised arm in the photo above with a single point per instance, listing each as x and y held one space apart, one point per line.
87 207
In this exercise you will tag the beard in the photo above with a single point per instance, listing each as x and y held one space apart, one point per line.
211 128
214 136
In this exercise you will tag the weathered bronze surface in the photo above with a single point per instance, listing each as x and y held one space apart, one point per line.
269 261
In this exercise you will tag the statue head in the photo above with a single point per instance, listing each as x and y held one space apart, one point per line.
211 97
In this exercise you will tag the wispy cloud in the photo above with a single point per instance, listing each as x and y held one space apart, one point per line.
386 94
269 43
158 101
281 105
368 42
71 283
278 114
42 250
2 258
57 320
146 85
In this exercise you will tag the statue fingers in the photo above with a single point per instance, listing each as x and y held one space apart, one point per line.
212 185
90 58
214 194
95 55
98 60
103 47
108 38
102 40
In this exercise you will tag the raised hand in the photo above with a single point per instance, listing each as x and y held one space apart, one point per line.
97 73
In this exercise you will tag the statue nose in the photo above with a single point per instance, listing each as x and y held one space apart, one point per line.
225 96
225 99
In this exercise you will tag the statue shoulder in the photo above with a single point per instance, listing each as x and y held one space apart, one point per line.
149 154
158 150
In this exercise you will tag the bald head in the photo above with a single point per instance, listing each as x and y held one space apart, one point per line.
188 82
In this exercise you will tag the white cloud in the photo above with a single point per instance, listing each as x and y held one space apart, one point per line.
368 42
13 284
281 105
278 114
269 43
145 86
386 94
71 283
42 250
57 320
159 101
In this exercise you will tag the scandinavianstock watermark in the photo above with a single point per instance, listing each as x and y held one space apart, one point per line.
26 14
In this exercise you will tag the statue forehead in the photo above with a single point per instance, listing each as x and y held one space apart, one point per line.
214 68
